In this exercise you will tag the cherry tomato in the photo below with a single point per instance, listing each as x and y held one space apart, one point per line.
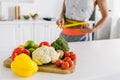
66 54
65 65
67 59
44 43
70 63
73 56
58 63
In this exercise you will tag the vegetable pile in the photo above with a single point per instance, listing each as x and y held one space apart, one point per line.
27 57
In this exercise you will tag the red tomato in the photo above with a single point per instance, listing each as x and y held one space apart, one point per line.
70 63
66 54
26 51
67 59
18 51
58 63
73 56
44 43
65 65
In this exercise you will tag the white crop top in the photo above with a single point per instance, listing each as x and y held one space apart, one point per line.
80 10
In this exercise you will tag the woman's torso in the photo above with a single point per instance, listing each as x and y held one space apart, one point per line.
80 10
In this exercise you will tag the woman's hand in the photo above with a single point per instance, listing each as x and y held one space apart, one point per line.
85 28
60 22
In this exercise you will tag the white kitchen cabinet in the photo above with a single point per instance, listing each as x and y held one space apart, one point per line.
26 31
14 33
55 32
46 32
8 35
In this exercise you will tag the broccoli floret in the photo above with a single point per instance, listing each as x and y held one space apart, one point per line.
61 44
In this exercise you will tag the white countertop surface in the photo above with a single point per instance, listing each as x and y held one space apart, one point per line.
96 60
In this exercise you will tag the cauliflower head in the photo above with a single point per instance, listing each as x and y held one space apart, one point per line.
44 55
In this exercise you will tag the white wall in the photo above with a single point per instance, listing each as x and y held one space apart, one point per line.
45 8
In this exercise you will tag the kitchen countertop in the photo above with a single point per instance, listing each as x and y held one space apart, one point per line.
26 21
31 21
96 60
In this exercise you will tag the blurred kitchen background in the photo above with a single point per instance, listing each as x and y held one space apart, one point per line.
52 8
44 8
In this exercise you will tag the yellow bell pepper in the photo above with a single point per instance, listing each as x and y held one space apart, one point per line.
21 46
23 65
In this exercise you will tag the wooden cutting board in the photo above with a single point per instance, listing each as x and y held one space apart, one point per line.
52 68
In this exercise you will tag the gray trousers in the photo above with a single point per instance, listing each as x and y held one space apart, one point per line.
75 38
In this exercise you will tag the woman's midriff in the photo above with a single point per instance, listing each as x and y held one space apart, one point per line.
73 31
